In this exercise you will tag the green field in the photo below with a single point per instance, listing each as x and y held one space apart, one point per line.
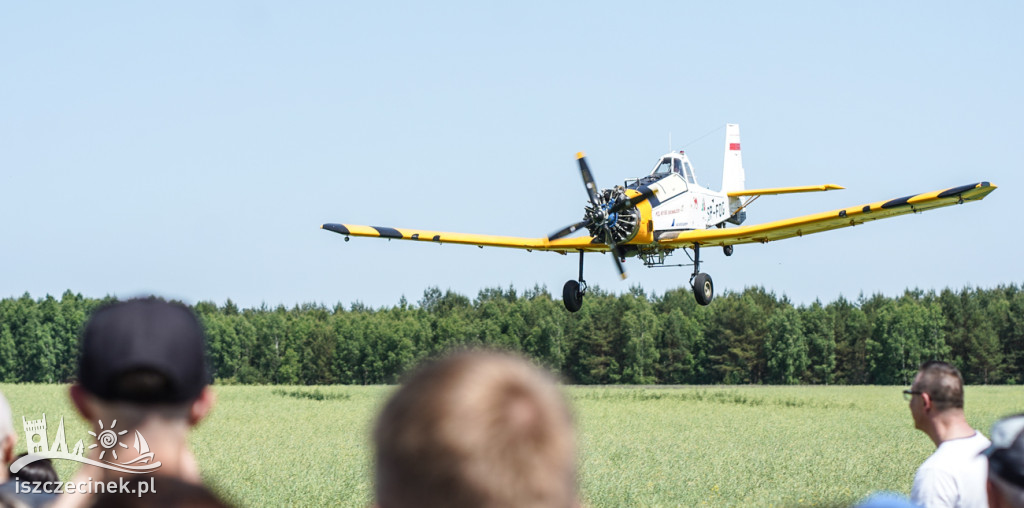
639 446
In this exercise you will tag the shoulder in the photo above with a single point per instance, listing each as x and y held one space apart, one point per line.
957 452
934 485
979 441
952 476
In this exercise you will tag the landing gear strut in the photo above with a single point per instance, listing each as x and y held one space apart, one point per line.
703 288
573 291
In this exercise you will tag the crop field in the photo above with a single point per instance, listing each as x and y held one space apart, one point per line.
639 446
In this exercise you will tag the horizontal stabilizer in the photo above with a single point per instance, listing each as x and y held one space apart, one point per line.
785 190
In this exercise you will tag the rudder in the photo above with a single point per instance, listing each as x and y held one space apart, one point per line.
733 176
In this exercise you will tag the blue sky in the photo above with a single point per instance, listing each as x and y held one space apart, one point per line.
193 149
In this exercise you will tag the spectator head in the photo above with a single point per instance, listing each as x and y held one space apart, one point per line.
7 436
168 492
942 383
144 354
938 389
1006 463
40 470
476 429
886 500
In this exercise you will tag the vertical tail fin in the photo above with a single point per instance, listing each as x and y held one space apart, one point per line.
733 177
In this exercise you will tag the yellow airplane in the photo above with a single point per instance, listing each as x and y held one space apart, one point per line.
650 217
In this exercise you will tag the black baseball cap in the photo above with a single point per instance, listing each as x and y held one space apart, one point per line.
144 335
1006 455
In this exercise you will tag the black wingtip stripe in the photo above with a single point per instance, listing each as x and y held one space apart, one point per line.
387 232
337 228
948 193
961 189
896 202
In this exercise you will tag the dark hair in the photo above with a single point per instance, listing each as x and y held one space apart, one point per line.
170 492
142 386
943 384
39 471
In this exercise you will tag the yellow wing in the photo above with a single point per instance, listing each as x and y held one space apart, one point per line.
760 233
561 245
816 223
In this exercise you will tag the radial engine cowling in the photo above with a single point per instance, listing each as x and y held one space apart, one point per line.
623 225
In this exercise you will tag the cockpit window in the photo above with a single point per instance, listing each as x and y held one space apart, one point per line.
677 166
664 168
689 174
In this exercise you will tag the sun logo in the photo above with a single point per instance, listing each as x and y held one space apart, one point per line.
108 439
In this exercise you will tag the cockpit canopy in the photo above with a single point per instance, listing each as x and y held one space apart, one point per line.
676 163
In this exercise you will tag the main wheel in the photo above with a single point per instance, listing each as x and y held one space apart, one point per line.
571 296
703 288
727 250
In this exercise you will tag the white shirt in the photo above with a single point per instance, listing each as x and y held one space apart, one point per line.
954 476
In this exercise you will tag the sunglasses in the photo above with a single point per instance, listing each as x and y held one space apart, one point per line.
909 394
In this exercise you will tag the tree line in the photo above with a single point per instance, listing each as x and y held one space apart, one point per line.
744 337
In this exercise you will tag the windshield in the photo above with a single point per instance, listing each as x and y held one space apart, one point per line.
664 168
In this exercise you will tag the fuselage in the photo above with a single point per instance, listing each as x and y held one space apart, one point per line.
681 203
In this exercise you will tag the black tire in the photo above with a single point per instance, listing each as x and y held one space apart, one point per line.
703 288
727 250
571 296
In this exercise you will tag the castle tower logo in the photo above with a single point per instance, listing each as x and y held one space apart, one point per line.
35 434
108 441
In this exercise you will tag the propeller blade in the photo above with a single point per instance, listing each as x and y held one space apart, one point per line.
619 206
588 180
610 242
618 264
568 230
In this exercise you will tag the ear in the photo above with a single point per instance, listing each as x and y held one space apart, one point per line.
7 450
926 401
82 401
201 406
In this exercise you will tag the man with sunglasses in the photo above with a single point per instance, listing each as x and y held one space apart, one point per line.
955 475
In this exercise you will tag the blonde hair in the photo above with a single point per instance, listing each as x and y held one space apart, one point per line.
478 429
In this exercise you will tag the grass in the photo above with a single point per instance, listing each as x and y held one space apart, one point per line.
639 446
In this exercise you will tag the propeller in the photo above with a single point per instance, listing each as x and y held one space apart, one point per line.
588 179
626 204
597 216
568 230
